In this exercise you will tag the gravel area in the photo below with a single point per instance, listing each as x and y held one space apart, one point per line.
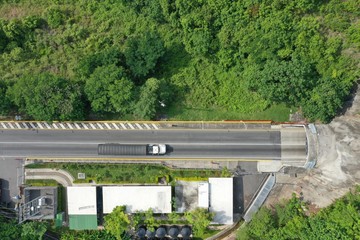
337 169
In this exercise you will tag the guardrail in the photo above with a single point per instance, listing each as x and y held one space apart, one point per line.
260 197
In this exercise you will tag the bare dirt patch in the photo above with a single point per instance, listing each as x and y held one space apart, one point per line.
17 11
338 163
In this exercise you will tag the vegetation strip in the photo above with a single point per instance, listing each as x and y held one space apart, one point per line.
131 173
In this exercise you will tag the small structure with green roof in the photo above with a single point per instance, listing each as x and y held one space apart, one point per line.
82 209
83 222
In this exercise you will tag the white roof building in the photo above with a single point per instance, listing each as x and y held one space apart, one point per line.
221 200
203 195
137 198
81 200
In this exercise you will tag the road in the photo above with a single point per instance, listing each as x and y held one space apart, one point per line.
216 144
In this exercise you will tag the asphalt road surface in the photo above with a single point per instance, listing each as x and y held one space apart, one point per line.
249 144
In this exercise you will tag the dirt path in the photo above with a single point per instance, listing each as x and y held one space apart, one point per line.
338 163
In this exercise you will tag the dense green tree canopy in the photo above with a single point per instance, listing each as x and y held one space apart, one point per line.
142 52
5 104
9 229
284 81
109 90
33 230
244 56
87 235
150 220
145 108
199 219
47 97
117 222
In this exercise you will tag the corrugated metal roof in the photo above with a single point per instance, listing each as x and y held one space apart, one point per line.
82 222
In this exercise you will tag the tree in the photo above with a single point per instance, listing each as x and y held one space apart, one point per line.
198 26
150 220
3 39
109 90
87 235
197 42
109 56
55 17
146 106
325 100
14 30
174 217
137 219
33 230
47 97
261 225
5 102
284 81
117 222
200 219
142 52
9 229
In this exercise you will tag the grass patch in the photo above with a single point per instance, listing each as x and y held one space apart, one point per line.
129 173
278 113
208 233
42 182
61 204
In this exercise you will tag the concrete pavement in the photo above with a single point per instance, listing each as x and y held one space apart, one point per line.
61 176
11 173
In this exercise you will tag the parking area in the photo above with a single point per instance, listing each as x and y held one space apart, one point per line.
11 174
